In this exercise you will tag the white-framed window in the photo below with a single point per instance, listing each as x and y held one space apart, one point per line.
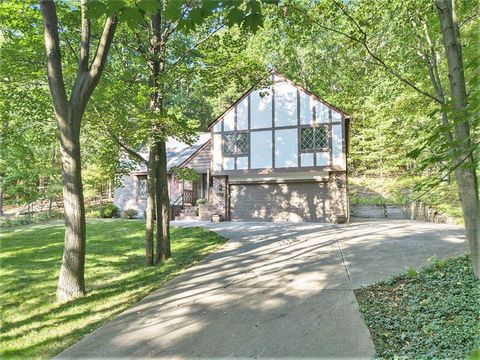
142 186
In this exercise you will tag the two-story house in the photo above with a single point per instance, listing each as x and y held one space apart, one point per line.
279 153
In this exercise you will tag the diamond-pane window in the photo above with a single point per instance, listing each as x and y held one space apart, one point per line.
314 138
308 140
321 139
229 144
142 186
235 144
241 143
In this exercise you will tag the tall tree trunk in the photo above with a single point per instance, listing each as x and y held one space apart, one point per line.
162 201
150 210
163 206
1 195
159 256
71 283
69 113
465 174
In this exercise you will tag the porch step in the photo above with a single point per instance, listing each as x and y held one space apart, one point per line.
186 217
189 212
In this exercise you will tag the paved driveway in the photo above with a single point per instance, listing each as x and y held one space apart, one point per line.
273 290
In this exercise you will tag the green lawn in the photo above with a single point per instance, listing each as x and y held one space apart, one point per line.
34 325
432 314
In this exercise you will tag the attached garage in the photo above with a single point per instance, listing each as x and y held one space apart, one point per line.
289 201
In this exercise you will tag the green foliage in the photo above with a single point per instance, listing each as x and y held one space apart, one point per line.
188 16
411 272
34 325
29 153
12 222
107 211
431 314
129 214
185 174
403 189
201 201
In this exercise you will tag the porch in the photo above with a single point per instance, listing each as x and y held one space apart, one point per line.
184 200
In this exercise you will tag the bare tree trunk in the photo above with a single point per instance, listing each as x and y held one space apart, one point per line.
150 210
71 283
465 174
1 195
163 205
159 256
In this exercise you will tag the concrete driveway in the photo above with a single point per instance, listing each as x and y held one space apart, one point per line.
273 290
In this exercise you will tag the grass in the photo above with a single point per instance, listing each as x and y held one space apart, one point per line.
34 325
430 314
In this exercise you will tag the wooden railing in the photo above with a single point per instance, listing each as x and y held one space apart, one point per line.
176 207
187 197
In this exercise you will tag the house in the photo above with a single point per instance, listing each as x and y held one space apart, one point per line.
132 192
279 153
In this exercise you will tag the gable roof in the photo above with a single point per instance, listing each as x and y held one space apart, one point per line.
276 73
178 152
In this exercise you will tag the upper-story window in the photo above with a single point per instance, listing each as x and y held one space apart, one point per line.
235 144
314 138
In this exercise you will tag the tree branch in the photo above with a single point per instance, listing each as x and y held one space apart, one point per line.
85 39
102 49
54 59
125 147
194 47
363 42
444 177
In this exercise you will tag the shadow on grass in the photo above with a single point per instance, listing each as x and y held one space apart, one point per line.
116 276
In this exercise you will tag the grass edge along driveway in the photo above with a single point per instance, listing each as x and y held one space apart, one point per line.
34 325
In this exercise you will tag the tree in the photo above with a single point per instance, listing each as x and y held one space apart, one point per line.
354 23
465 169
163 42
27 133
69 112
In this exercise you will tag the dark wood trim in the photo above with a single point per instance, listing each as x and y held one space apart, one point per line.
344 151
314 122
235 118
330 136
249 130
312 94
273 121
298 129
281 127
289 181
221 150
227 199
244 95
277 170
274 72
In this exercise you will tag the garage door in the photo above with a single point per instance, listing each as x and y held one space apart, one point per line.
278 202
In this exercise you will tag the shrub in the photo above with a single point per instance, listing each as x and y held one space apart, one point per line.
201 201
94 213
129 214
30 219
108 211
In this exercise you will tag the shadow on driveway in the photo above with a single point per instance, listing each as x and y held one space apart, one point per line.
273 290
